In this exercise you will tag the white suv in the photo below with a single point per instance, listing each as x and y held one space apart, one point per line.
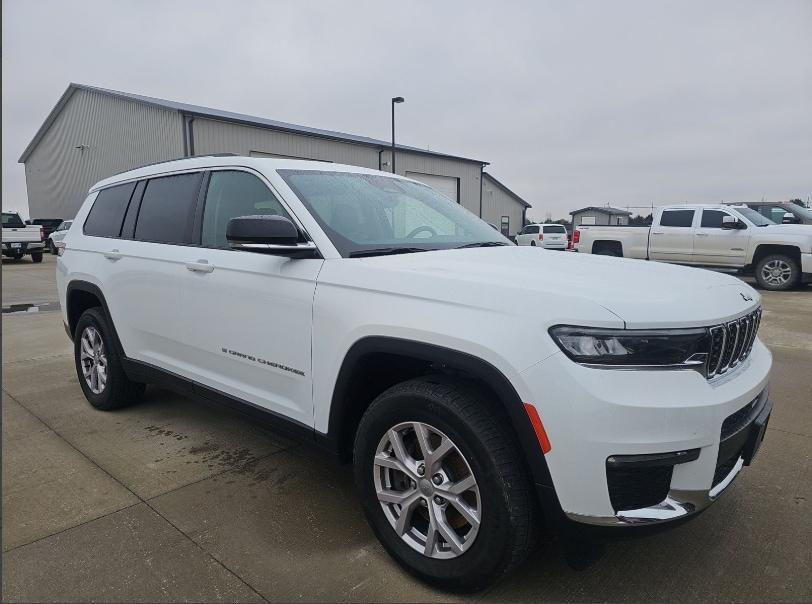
370 314
547 236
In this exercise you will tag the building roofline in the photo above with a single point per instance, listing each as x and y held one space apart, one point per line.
605 210
506 190
226 116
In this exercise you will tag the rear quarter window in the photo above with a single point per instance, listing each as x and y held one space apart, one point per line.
107 213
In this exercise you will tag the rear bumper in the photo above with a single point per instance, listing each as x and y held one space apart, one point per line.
24 247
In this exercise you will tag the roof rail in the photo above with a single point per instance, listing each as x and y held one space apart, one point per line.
166 161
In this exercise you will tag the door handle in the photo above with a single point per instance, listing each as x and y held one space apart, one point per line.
657 232
701 234
113 255
200 266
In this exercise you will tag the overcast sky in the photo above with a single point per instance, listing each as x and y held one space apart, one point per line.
572 103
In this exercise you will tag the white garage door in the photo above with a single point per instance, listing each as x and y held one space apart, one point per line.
447 185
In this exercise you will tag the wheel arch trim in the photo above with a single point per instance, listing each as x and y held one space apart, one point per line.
94 290
445 357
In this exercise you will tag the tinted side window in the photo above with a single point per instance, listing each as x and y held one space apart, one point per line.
712 219
107 213
231 194
677 218
168 209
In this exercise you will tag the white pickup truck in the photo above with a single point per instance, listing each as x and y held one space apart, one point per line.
778 255
20 239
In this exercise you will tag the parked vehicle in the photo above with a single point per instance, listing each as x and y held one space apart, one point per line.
547 236
779 256
49 225
20 239
58 235
370 314
782 212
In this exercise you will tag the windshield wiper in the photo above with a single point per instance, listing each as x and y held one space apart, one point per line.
482 244
386 251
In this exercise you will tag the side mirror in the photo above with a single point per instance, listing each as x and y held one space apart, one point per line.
28 222
790 218
732 223
265 234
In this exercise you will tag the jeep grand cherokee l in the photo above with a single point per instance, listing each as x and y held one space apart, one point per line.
372 315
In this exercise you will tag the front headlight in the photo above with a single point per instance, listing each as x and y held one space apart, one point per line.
658 348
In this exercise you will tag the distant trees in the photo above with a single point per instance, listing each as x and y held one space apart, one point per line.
640 220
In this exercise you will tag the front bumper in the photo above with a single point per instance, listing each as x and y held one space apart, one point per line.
592 415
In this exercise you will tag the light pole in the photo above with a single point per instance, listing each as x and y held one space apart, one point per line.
397 99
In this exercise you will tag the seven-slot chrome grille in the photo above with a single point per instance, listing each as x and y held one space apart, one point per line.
731 343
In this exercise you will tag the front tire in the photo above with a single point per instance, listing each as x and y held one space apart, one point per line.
443 484
777 272
36 257
98 364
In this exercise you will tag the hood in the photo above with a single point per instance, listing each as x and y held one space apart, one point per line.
558 287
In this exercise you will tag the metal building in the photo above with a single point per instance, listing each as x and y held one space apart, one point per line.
93 133
599 216
501 206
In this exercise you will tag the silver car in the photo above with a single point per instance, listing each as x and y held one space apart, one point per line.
58 235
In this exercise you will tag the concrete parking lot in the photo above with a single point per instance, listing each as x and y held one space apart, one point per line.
174 500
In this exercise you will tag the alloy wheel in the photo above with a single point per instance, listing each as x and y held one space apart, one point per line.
93 360
776 272
427 490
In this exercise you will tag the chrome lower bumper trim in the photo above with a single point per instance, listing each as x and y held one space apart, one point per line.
676 505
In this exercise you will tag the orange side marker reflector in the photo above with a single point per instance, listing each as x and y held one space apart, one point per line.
544 442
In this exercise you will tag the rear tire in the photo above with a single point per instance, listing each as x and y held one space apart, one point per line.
777 272
36 257
98 364
51 247
498 531
533 243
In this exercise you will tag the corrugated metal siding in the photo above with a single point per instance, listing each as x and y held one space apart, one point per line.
211 136
467 172
497 203
601 218
120 135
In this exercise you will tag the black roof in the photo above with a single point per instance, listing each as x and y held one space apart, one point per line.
605 210
229 116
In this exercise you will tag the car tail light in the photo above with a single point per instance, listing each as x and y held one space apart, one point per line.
576 236
541 236
41 234
60 248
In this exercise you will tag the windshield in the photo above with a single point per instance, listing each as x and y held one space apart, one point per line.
799 210
754 217
12 221
368 214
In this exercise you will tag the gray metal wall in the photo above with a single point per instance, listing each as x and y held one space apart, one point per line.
467 172
212 136
120 135
601 218
497 203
